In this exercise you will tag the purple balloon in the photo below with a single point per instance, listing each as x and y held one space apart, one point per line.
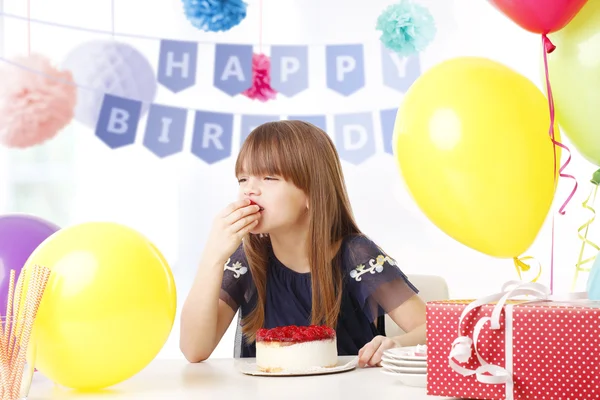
20 235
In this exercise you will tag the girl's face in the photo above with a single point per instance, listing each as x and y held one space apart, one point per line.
283 204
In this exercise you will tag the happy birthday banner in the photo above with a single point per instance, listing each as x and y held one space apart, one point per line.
354 134
213 132
344 67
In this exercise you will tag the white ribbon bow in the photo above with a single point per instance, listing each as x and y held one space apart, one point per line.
463 345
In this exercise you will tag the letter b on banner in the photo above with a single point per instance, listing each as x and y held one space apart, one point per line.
118 121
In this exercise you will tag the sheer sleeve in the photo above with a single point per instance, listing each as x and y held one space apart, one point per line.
236 282
374 278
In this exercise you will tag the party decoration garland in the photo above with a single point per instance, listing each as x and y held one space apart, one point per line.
34 107
406 28
261 79
214 15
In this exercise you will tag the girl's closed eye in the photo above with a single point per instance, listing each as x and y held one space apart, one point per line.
270 178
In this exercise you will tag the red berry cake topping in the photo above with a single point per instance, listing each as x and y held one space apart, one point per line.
295 334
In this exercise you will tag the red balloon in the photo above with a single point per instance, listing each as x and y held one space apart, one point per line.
540 16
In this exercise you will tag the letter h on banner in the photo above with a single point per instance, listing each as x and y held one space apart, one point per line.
177 64
118 121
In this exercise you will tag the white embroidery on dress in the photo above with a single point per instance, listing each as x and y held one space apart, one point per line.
237 268
375 265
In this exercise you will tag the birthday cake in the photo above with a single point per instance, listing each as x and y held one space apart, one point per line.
289 348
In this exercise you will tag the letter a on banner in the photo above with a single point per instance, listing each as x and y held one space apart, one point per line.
399 72
233 68
212 136
118 121
289 69
354 137
345 68
165 130
177 64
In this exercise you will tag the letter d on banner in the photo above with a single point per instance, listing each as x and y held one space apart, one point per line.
354 137
118 121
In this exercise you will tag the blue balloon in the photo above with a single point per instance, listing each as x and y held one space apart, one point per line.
593 282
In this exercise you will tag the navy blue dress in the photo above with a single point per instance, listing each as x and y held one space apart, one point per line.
373 285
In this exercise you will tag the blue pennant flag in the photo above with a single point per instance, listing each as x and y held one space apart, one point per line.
345 68
211 141
233 68
354 137
289 69
399 72
165 130
177 64
388 120
118 121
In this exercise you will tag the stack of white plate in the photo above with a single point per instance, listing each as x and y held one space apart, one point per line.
408 364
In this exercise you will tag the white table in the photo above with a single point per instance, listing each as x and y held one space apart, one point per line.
218 379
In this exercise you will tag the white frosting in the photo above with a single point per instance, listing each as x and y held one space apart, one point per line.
276 355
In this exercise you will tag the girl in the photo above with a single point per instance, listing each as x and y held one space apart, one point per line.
289 252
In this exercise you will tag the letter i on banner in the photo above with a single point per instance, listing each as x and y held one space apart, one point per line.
165 130
345 68
289 69
399 72
118 121
233 68
250 122
388 120
211 141
177 64
319 121
354 137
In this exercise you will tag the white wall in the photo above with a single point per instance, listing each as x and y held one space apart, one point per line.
175 199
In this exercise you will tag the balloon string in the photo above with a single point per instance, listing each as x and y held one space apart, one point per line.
112 18
522 266
579 267
549 48
260 25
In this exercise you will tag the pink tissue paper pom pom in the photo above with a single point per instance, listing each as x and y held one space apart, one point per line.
36 101
261 79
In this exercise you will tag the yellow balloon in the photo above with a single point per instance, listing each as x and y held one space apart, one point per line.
575 78
472 144
108 308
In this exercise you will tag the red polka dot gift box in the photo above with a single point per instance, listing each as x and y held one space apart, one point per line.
520 344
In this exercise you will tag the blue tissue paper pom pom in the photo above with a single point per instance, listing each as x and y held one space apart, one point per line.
214 15
406 28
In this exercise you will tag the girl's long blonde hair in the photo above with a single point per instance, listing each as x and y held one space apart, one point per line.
304 155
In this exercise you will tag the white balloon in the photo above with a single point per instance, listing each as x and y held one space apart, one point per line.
109 67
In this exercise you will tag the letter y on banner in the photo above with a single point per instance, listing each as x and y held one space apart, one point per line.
118 121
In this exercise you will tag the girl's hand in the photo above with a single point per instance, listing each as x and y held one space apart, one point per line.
370 355
229 227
